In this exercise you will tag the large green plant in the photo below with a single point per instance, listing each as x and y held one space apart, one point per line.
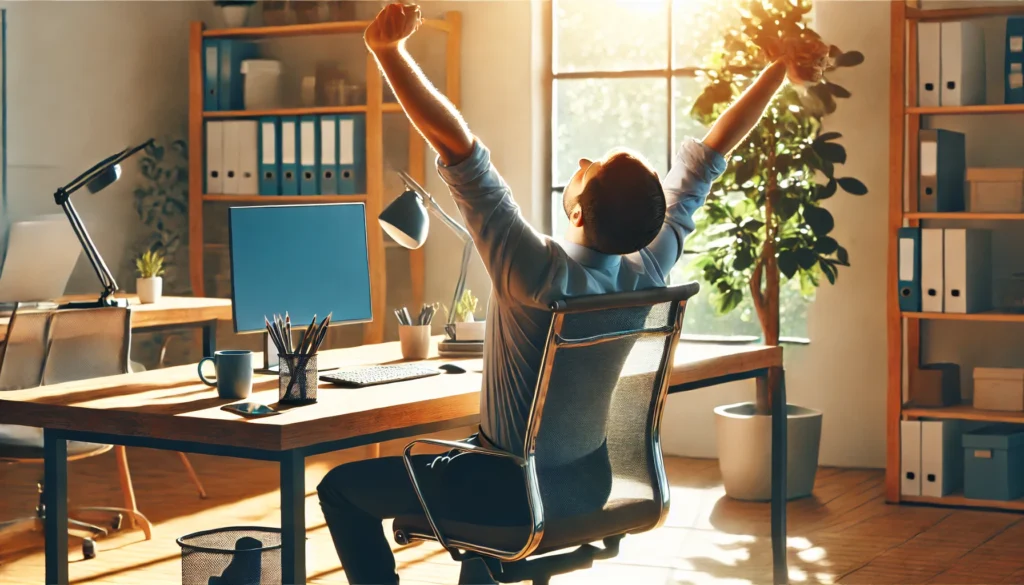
764 217
161 201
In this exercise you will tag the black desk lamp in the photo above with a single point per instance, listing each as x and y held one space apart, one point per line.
99 177
407 222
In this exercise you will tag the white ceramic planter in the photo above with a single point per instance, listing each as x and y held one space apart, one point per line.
149 289
235 16
470 331
745 451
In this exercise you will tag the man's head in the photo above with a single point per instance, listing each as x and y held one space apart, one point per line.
615 204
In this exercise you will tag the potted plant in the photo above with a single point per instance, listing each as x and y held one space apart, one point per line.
467 328
149 285
234 12
764 221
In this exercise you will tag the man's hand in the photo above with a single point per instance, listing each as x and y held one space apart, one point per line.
805 56
392 26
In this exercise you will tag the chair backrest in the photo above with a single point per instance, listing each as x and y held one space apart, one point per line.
87 343
593 437
24 349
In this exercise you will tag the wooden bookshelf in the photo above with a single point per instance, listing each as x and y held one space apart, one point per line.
317 29
903 329
918 15
966 110
964 215
992 316
387 108
374 109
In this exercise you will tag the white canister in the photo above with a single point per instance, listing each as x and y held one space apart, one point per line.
262 84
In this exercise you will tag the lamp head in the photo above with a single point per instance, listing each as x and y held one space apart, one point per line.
104 179
406 220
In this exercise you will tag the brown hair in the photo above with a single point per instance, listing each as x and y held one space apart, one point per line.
623 205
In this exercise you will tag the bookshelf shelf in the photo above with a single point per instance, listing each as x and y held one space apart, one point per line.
285 199
965 412
966 110
916 14
994 316
387 108
306 30
965 215
960 500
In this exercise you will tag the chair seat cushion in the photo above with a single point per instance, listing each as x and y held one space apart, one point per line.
620 516
20 442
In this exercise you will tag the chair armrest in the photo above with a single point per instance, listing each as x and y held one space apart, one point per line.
537 516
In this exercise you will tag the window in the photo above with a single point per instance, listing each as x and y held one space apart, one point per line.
624 73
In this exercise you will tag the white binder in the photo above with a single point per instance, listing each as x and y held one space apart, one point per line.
963 63
910 457
928 69
968 270
248 158
232 143
215 157
941 457
932 267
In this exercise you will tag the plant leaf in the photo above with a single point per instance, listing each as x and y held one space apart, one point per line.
745 171
825 246
744 259
786 207
819 219
830 151
843 256
837 90
828 136
829 270
853 186
787 263
822 192
805 258
849 59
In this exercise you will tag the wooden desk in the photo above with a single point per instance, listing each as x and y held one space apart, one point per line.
171 409
168 313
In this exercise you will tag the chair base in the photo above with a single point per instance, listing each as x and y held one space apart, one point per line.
540 570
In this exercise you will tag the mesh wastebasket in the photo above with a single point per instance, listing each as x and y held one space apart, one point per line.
240 555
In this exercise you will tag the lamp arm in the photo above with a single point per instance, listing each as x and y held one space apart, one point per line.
98 265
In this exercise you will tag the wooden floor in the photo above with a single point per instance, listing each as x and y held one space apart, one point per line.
845 533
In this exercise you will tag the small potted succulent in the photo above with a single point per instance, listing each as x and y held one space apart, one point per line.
234 12
467 328
150 283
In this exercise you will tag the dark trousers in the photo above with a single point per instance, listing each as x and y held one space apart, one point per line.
357 497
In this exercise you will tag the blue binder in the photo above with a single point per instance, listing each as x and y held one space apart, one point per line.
309 155
270 156
351 154
211 66
289 155
910 269
329 155
232 53
1014 82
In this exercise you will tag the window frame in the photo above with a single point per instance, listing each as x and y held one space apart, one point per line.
669 74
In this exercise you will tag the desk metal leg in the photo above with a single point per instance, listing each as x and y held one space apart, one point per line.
55 498
293 518
209 338
780 429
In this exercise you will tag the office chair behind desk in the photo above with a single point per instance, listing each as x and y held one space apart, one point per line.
593 469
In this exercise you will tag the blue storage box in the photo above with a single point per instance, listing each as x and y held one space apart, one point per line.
994 463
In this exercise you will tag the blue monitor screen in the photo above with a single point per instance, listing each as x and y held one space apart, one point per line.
299 259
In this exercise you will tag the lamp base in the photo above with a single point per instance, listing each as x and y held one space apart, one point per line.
97 304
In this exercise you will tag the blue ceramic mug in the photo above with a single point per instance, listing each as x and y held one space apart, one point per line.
234 373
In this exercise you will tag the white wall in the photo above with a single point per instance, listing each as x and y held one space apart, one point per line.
86 79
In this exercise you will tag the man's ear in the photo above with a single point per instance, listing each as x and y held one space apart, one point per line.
576 216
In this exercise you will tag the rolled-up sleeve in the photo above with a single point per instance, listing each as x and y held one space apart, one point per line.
521 262
695 168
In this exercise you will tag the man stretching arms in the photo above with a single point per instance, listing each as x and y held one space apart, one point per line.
626 231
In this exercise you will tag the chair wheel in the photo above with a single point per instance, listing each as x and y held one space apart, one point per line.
401 538
89 548
117 522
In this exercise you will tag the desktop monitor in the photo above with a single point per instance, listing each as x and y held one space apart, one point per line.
301 260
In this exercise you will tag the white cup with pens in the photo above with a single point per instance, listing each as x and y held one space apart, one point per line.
414 334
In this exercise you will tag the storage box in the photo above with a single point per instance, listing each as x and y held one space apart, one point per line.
262 84
993 458
999 388
935 385
995 190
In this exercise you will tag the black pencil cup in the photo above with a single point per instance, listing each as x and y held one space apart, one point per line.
299 388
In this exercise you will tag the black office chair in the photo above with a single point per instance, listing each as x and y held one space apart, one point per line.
592 464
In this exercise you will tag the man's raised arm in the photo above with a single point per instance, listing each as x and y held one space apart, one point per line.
430 112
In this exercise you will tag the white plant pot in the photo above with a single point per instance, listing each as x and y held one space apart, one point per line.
470 330
149 289
235 16
745 451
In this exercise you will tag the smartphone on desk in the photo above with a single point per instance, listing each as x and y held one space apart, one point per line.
250 409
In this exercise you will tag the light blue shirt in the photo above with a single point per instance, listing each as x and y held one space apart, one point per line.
529 271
